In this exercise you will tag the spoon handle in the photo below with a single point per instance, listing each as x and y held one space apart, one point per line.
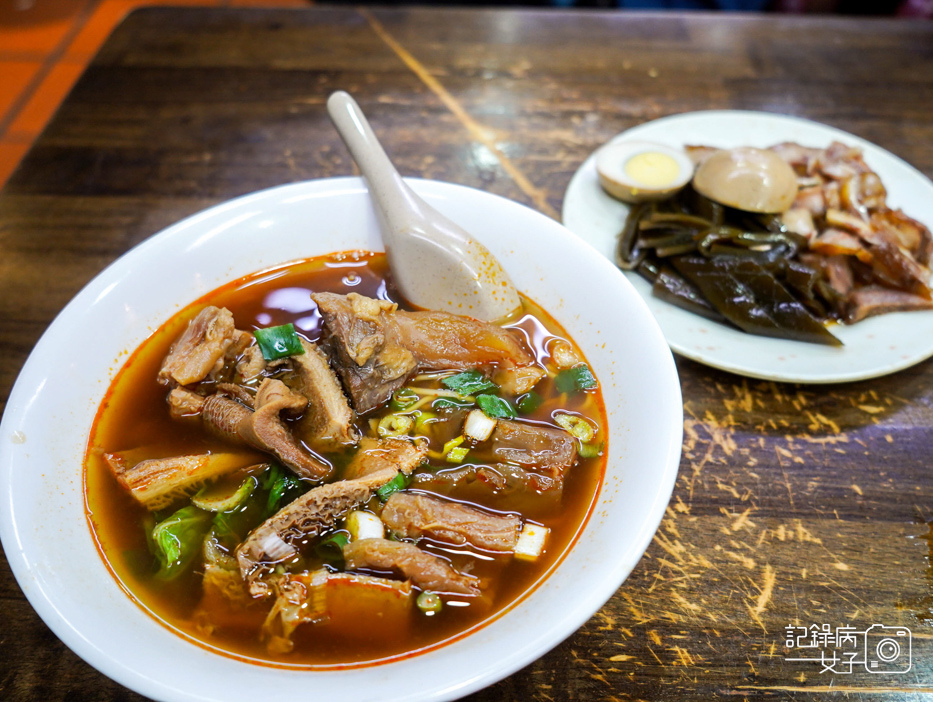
396 202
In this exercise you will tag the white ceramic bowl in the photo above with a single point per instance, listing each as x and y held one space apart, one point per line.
44 432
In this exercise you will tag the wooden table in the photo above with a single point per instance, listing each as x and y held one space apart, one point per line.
795 506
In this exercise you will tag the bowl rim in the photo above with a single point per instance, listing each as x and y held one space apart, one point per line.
30 380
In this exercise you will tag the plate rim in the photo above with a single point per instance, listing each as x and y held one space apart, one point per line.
586 171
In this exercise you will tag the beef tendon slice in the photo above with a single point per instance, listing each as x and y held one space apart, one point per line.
427 571
328 421
414 515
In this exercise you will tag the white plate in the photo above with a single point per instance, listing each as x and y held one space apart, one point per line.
45 427
874 347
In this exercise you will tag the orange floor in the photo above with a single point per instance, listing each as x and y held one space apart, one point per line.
44 46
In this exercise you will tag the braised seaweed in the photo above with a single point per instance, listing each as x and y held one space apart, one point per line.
726 265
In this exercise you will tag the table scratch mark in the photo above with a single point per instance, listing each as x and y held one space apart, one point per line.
477 131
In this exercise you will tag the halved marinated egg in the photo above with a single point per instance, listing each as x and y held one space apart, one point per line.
638 171
747 178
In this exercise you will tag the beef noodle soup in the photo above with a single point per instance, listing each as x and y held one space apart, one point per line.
295 470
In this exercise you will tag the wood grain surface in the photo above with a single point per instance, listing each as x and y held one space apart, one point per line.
795 505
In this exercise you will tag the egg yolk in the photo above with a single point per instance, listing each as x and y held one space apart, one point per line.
652 169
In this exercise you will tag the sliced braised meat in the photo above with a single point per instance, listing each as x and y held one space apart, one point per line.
184 403
849 222
157 482
251 364
378 347
328 421
368 356
800 221
200 349
357 605
799 157
277 538
811 199
839 275
833 242
439 340
907 232
427 571
264 428
892 266
237 392
873 299
414 515
513 486
544 449
377 458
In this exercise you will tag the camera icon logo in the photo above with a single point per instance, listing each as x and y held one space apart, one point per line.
887 649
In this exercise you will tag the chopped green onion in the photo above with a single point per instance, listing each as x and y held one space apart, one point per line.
364 525
453 443
580 427
331 548
395 425
456 455
278 342
479 426
529 402
495 407
469 382
574 379
448 403
424 418
429 602
217 499
403 398
177 540
590 450
531 541
399 482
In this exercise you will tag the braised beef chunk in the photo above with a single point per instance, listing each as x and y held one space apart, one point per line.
442 341
265 429
413 515
427 571
368 355
377 347
184 403
500 485
377 457
328 421
200 349
546 450
276 539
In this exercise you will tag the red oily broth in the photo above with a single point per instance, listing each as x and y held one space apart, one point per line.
134 414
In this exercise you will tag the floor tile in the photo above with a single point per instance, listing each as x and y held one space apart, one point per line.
43 103
15 77
35 28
